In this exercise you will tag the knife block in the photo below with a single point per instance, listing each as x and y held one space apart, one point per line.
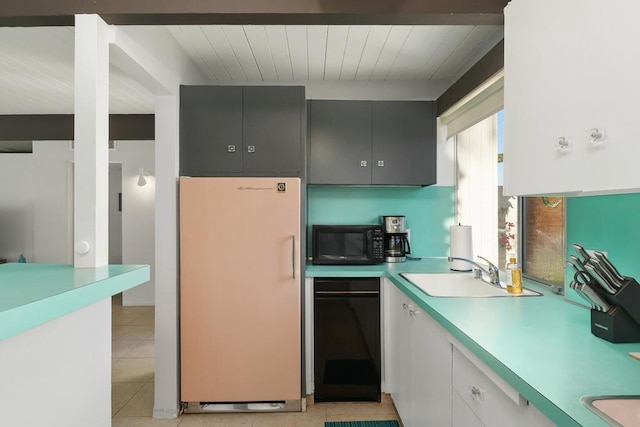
627 298
615 326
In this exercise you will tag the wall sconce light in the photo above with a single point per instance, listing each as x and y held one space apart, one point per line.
141 179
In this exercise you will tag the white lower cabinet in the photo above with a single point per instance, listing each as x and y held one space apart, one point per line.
435 380
398 356
418 363
462 414
481 397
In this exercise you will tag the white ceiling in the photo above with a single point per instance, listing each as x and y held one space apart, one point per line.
36 64
36 75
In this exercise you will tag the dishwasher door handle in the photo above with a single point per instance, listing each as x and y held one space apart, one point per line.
350 294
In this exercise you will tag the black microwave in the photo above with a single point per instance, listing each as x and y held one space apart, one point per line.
347 244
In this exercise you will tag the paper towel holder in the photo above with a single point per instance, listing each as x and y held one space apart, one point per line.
455 259
461 246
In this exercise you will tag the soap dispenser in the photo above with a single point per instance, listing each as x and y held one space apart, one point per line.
514 276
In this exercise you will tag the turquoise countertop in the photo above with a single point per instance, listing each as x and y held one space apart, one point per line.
33 294
542 346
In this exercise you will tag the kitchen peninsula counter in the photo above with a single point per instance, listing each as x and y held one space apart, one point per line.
33 294
542 346
55 341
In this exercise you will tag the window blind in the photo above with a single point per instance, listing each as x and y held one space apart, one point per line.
483 102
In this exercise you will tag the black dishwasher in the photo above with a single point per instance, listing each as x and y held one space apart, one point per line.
346 339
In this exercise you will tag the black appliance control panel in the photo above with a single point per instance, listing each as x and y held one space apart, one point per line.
377 245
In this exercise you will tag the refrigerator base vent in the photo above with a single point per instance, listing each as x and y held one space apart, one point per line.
230 407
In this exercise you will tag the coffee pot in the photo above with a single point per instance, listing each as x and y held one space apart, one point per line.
396 241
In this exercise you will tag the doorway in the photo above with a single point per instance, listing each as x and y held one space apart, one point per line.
115 213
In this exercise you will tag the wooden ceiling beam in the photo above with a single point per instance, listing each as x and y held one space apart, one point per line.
59 127
486 67
310 12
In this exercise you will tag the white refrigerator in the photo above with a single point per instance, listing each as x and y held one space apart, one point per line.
240 294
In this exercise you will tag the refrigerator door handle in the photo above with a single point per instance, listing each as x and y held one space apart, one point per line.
293 255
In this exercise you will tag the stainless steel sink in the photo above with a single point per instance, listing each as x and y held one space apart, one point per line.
615 410
460 285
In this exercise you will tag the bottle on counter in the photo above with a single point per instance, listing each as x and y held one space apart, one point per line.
514 276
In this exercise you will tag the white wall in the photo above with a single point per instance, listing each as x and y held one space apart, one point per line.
16 206
446 166
33 207
138 213
36 207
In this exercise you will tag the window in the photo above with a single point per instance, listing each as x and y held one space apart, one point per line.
543 243
508 209
533 228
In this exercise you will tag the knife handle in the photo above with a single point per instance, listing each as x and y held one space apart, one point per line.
599 279
604 272
593 296
607 264
585 255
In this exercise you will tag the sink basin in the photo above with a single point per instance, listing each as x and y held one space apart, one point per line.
616 410
461 285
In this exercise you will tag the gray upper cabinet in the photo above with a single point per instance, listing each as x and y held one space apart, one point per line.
210 130
372 142
273 118
340 141
404 143
242 131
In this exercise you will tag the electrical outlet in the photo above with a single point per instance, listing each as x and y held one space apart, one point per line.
591 252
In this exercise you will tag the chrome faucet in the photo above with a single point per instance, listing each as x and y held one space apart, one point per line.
491 271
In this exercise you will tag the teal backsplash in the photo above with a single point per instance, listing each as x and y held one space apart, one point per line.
429 211
607 223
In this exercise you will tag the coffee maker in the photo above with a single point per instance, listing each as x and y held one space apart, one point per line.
396 241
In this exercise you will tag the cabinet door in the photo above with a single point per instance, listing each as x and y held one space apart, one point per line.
340 141
463 416
610 94
400 354
420 370
210 123
535 418
568 70
272 130
487 397
404 143
542 90
431 371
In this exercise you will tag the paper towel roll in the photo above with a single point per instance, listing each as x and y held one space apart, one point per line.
461 245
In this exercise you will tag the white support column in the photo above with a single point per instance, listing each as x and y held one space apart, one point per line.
91 134
166 339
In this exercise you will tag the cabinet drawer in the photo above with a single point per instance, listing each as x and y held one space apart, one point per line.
462 415
485 398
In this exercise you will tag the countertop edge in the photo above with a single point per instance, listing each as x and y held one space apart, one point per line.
544 405
28 316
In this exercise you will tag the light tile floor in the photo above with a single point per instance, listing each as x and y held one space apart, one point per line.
133 382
